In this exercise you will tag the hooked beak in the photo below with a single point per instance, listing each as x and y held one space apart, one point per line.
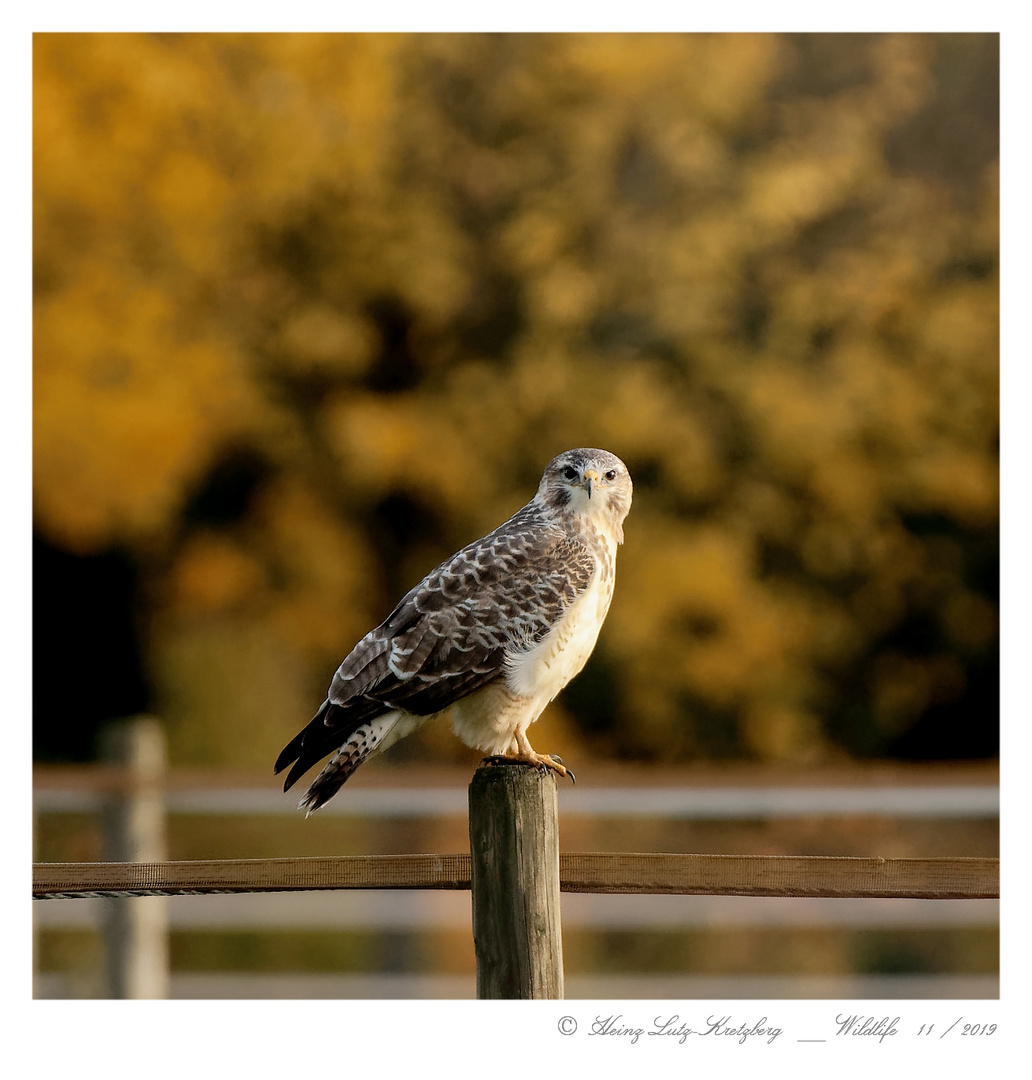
590 478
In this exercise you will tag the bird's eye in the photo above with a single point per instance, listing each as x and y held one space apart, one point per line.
569 473
611 475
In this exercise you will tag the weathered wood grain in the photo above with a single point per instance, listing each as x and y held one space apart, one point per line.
514 851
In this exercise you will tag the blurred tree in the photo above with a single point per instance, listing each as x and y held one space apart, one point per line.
313 310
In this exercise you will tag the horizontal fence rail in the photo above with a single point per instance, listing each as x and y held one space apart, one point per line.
899 791
134 789
698 803
448 910
579 872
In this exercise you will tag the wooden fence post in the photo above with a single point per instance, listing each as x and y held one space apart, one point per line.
136 929
514 878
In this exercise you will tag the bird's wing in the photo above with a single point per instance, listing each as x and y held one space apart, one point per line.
450 635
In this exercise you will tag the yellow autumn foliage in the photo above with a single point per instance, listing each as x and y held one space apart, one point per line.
399 272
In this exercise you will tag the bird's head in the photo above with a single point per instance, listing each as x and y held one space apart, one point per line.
592 483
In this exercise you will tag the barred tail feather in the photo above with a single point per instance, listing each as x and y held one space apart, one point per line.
333 775
371 736
331 727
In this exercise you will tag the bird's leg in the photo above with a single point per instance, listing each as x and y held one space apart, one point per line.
519 751
526 752
539 761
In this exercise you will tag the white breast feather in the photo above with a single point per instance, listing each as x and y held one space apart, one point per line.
540 673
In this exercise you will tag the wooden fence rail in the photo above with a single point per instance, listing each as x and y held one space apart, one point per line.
583 872
515 873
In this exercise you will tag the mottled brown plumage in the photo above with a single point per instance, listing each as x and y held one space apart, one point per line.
493 633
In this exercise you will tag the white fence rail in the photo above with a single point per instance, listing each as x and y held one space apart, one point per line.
135 796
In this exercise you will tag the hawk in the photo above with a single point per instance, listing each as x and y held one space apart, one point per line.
492 634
